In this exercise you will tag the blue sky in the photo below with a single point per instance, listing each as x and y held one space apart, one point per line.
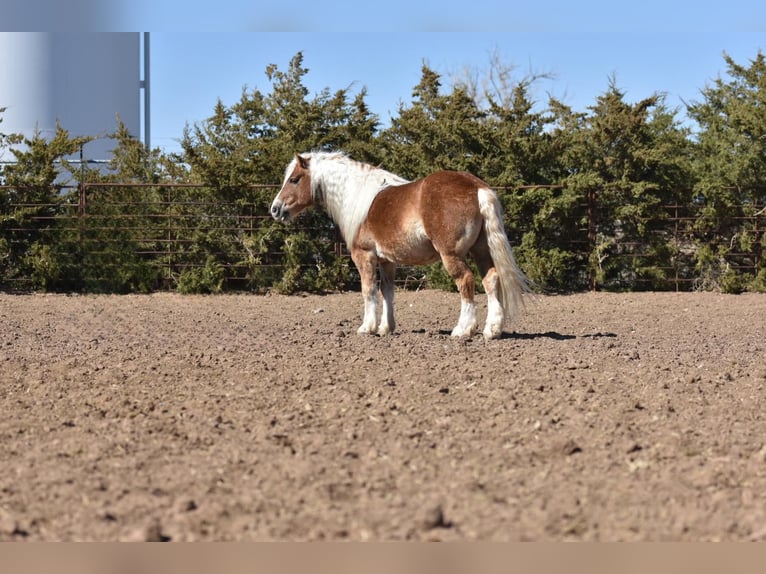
192 70
203 51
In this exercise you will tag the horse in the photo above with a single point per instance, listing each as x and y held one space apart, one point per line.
387 220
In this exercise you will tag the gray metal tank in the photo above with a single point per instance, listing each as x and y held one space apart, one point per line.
83 80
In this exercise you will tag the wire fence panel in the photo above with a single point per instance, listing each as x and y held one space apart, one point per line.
121 237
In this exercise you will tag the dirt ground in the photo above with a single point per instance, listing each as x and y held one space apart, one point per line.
596 417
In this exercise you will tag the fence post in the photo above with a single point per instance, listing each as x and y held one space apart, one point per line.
676 239
169 248
81 186
81 214
592 275
81 199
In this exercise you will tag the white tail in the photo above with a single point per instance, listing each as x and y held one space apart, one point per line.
513 282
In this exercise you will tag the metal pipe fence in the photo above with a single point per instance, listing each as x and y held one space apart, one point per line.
164 232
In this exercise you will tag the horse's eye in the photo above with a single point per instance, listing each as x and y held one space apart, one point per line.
295 180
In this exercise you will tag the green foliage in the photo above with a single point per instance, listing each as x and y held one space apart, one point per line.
588 195
624 162
252 141
44 265
207 279
31 205
543 225
732 138
551 269
6 140
730 162
437 132
311 266
758 283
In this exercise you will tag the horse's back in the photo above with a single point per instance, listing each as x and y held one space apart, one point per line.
433 214
453 181
442 194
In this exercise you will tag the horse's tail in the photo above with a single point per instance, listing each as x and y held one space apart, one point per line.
513 282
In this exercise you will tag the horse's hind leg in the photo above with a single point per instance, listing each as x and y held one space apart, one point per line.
458 268
366 263
493 328
387 323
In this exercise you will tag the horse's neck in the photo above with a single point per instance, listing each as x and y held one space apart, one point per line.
349 190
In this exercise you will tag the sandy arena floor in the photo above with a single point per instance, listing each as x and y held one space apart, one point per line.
167 417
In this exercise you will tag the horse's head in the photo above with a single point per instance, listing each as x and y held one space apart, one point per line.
296 194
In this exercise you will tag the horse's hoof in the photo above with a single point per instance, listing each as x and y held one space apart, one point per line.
365 330
456 332
492 332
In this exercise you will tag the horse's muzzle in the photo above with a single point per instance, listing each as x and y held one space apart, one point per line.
279 212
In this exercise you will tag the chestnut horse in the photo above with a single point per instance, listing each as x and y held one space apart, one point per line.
387 220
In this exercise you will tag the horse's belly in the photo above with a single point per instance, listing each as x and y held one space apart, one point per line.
413 248
421 256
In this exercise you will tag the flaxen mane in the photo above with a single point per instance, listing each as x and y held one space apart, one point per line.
345 187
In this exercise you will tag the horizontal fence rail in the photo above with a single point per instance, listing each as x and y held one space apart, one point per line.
141 237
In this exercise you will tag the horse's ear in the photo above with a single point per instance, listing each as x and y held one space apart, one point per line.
302 161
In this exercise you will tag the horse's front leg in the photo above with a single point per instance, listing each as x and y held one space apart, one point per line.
367 263
387 323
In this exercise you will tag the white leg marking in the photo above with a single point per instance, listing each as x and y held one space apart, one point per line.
370 321
493 328
387 315
467 324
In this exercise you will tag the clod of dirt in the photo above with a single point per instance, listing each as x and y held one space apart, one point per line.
434 518
150 533
8 524
759 535
154 533
570 447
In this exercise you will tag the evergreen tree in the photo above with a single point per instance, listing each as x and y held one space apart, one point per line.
620 164
587 194
124 231
438 131
635 156
33 203
731 158
251 142
730 169
519 151
6 140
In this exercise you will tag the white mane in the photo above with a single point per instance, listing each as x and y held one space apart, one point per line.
346 187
